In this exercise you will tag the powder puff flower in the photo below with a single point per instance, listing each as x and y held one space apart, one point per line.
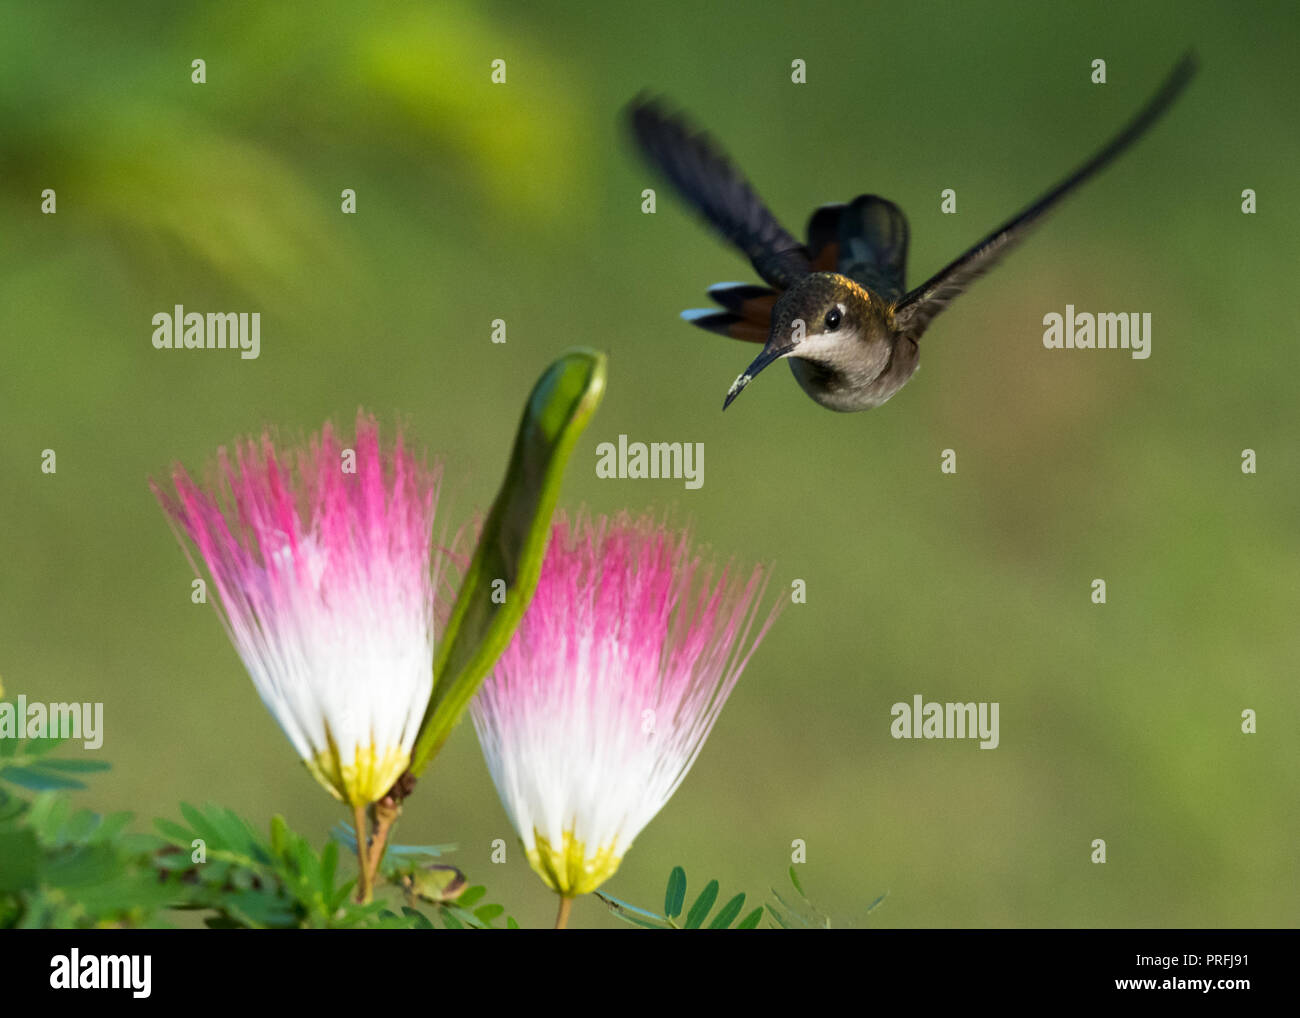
320 557
600 705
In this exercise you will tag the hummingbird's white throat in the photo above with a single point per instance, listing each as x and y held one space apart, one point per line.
830 347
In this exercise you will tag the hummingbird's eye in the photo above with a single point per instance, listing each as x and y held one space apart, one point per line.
832 319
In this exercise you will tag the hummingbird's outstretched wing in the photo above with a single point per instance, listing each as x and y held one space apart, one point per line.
918 308
865 240
705 177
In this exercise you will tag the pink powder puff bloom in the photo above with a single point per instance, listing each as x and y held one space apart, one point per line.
600 705
321 563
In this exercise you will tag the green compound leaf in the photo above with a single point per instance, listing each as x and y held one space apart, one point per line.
695 918
675 895
471 896
674 901
419 921
512 544
728 914
25 764
801 915
38 779
71 868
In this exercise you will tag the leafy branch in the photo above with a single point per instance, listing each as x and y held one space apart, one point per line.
784 914
675 902
66 868
26 763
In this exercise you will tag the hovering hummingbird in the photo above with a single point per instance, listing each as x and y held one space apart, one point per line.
836 307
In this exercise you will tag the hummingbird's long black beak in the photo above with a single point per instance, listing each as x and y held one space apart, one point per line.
774 351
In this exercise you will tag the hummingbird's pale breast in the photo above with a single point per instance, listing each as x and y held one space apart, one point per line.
858 380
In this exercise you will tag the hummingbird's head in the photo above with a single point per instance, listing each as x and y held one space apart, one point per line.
835 334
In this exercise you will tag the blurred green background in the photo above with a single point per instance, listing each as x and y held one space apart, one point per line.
522 201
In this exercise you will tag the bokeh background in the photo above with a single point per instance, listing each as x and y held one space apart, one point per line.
522 201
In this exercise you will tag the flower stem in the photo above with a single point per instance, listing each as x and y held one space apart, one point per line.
363 880
562 919
386 814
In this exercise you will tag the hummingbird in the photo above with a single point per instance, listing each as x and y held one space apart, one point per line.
836 307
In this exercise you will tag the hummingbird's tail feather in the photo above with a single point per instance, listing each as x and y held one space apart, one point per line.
865 240
913 314
824 236
748 313
729 324
705 177
746 299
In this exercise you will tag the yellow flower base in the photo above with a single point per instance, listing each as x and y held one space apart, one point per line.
570 871
365 779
